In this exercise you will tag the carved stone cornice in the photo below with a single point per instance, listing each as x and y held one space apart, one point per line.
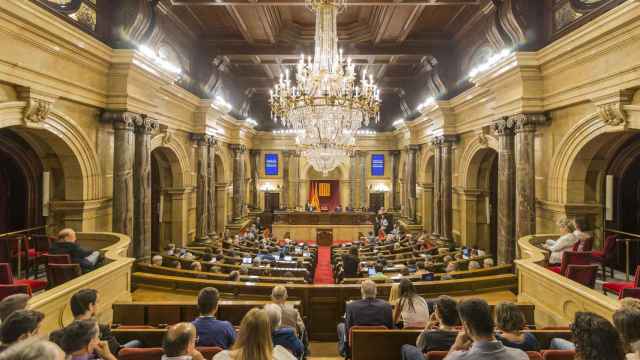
121 120
611 107
525 122
38 104
238 149
145 125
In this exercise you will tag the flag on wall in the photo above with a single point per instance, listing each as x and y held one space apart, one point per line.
325 190
313 196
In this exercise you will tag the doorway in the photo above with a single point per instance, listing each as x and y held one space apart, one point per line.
271 201
376 201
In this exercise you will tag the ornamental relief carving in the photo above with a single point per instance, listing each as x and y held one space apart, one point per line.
36 111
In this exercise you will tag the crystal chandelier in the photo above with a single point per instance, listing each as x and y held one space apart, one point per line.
327 103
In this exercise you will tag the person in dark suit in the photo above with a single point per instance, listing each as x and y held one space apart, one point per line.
66 244
283 335
351 263
367 312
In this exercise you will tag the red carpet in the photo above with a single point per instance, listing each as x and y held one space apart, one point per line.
323 267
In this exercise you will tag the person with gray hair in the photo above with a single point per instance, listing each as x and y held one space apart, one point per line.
369 311
156 260
66 245
290 315
283 336
565 242
474 265
12 303
33 348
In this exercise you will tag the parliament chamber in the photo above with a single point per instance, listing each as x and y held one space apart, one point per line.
319 179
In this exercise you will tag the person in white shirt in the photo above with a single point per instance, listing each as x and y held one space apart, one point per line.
410 307
565 242
254 341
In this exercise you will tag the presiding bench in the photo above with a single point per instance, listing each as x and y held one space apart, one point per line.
370 344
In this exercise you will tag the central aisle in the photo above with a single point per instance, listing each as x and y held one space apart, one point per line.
323 274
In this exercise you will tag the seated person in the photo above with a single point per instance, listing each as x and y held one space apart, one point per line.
234 276
478 341
170 249
368 311
351 263
81 340
66 244
474 265
283 336
510 322
12 303
487 263
440 332
210 331
156 260
34 348
179 343
451 267
196 266
290 315
596 338
564 243
627 321
338 208
411 309
379 276
208 255
20 325
579 233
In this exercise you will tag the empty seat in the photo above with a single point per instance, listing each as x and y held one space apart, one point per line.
616 287
583 274
6 278
558 354
58 274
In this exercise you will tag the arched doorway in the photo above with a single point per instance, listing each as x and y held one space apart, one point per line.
165 193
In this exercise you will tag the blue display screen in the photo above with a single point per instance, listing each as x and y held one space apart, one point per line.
271 164
377 165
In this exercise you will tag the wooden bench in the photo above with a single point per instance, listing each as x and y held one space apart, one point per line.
385 344
164 270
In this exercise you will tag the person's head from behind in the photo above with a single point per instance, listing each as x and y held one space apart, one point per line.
20 325
595 338
368 289
33 349
208 301
234 275
156 260
407 290
487 263
379 267
446 309
279 294
67 235
451 267
254 338
566 226
353 251
81 337
179 340
509 318
12 303
196 266
275 315
627 321
474 265
84 304
579 224
475 315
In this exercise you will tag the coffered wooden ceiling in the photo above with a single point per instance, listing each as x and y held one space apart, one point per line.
392 39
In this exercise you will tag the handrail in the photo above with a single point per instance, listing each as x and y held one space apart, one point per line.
622 233
23 231
626 245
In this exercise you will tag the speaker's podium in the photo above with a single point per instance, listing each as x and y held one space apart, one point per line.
324 237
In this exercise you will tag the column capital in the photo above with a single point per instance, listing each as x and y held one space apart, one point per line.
394 152
413 148
211 141
121 120
145 125
361 153
528 121
504 126
238 148
444 139
254 152
200 139
289 153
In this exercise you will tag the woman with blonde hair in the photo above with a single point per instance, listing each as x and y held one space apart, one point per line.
564 243
254 340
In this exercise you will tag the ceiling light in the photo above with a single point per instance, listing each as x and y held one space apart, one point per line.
491 61
398 123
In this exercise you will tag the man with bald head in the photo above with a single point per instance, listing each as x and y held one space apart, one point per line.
180 343
366 312
66 244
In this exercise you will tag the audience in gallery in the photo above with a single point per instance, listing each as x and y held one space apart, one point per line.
255 341
179 343
411 310
510 322
66 244
18 326
565 242
33 349
282 335
210 331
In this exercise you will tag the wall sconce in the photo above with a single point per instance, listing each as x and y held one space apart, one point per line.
269 187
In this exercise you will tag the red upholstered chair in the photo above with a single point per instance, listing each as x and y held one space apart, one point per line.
616 287
534 355
370 327
140 354
41 244
58 259
583 274
17 246
6 278
571 258
558 354
58 274
436 355
587 244
208 351
8 290
606 256
630 293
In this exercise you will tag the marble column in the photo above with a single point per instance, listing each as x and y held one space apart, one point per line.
142 187
506 191
238 181
446 187
412 197
395 162
211 189
286 161
202 193
123 150
254 156
362 155
436 190
525 129
352 180
296 157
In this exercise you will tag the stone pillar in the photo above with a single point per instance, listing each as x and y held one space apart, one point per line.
352 180
298 176
211 189
436 190
446 189
142 187
362 155
525 129
254 155
412 154
238 181
286 157
202 193
395 162
123 150
506 191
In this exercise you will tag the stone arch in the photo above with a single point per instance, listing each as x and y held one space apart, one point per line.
178 156
427 173
467 163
